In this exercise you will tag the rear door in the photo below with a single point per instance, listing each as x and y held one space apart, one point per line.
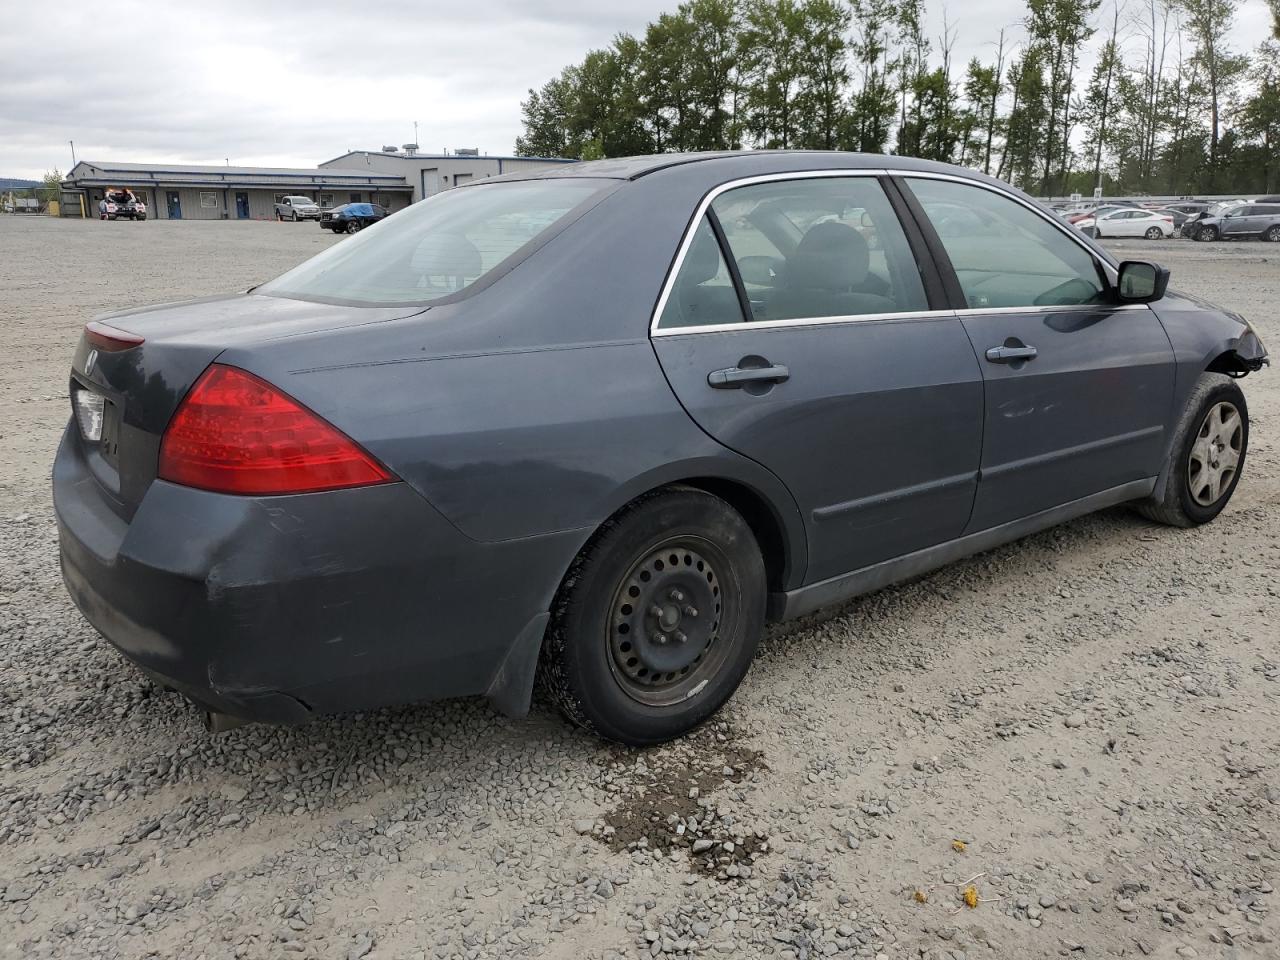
1078 388
815 349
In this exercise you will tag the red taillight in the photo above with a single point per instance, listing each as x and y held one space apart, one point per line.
235 433
109 338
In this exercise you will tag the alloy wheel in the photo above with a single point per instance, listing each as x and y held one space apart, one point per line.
1215 454
1155 233
664 627
1274 234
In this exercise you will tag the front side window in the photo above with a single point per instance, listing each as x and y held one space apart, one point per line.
1017 259
440 246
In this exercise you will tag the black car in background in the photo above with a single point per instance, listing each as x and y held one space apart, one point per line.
352 217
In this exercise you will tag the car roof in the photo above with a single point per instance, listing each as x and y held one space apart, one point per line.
767 161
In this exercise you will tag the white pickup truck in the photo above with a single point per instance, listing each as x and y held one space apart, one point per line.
297 208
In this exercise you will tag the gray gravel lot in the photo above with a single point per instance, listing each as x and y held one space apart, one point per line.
1082 725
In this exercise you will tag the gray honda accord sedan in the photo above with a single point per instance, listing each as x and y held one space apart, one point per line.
598 426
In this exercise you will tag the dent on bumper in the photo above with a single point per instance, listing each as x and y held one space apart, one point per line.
270 608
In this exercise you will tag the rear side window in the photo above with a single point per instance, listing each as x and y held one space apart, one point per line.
440 246
1017 258
825 247
703 293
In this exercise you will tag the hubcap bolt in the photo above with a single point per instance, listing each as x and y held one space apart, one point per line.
655 610
680 637
660 639
690 611
676 596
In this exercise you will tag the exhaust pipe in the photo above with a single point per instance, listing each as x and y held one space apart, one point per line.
217 723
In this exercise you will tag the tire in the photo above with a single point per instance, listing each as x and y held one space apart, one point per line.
623 607
294 217
353 226
1207 234
1272 234
1155 233
1189 498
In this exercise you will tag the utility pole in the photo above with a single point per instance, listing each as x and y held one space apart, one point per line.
73 152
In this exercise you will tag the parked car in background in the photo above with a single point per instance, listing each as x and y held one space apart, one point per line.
352 217
1177 216
1151 224
297 208
600 424
121 205
1246 221
1097 211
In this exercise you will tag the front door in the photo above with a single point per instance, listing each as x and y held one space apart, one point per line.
174 203
1078 389
242 205
842 380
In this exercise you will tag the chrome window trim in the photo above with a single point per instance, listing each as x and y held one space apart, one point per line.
742 327
687 241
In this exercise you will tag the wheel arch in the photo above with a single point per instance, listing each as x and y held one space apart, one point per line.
1230 362
758 495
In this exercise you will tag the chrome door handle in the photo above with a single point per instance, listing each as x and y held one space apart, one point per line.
1010 354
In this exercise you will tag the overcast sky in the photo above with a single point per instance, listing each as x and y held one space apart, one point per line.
296 82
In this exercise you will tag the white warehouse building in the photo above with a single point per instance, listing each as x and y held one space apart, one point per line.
429 173
174 191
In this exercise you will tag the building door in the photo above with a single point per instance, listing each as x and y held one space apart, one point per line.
174 204
242 205
430 182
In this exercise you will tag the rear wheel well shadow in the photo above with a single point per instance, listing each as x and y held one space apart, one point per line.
764 523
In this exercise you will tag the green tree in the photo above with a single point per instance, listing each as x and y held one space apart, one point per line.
546 118
874 102
1028 119
1097 108
771 48
1209 21
1058 28
824 74
1259 118
983 87
51 189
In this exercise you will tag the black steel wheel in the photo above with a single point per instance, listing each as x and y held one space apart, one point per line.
658 619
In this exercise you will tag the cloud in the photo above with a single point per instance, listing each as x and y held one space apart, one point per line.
293 83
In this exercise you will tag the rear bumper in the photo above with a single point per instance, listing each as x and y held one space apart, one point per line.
275 608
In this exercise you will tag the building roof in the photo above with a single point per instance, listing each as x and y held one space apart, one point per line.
444 156
221 170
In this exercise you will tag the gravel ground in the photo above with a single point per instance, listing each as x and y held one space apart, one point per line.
1082 727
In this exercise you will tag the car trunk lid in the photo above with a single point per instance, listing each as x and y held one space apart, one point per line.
141 385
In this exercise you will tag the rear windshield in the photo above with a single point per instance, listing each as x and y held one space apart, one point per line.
440 246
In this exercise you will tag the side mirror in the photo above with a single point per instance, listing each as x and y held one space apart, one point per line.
1141 281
